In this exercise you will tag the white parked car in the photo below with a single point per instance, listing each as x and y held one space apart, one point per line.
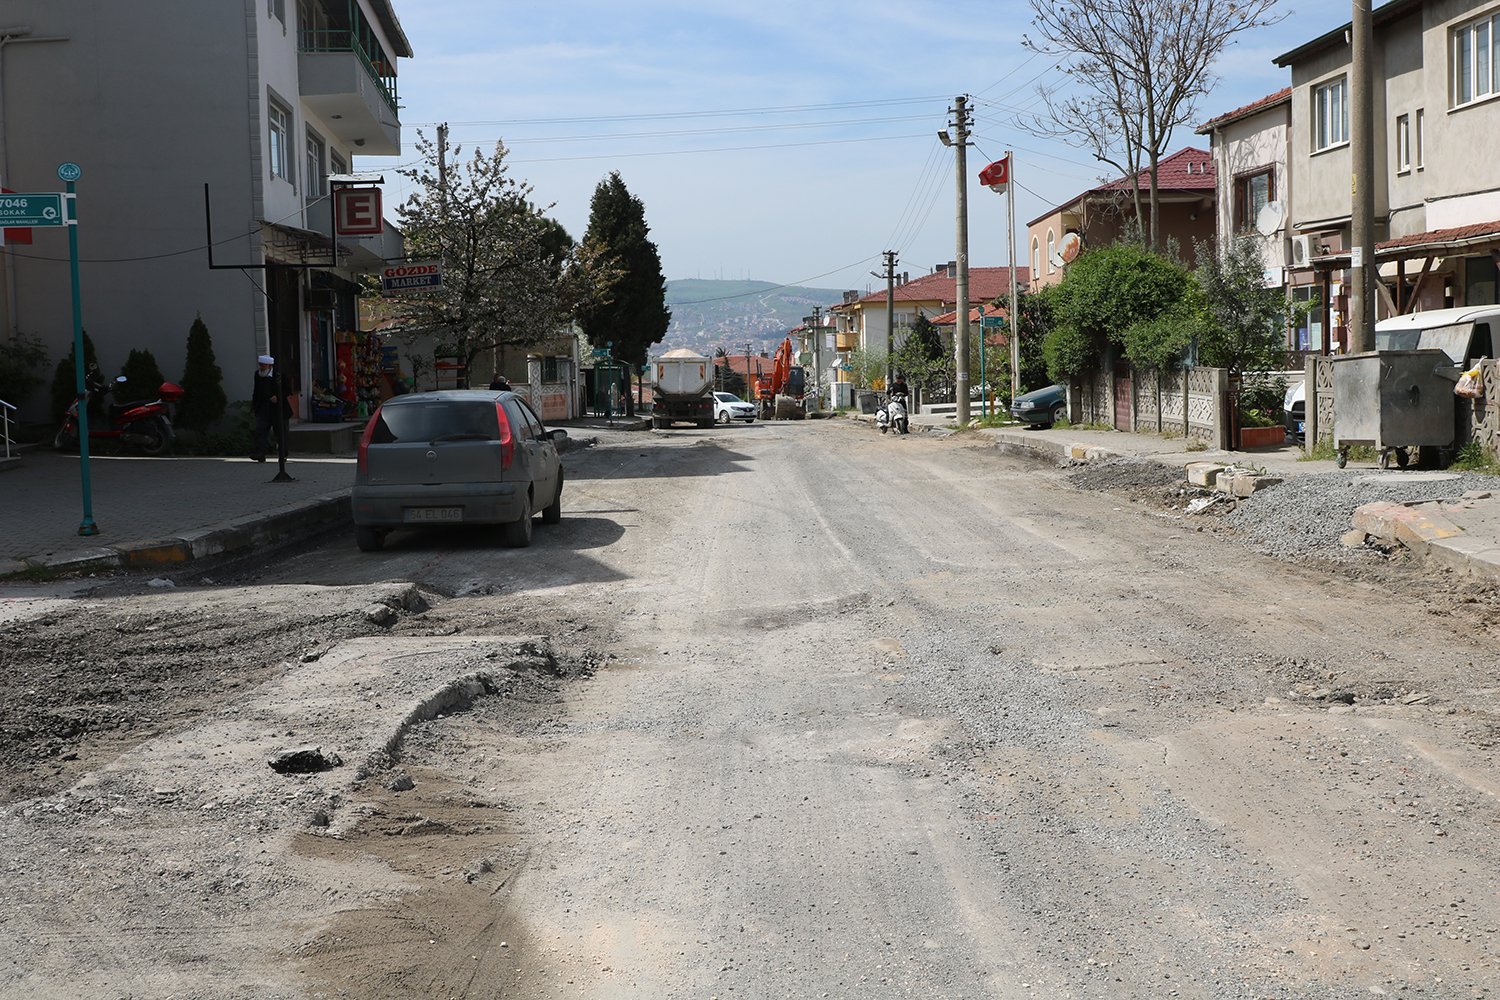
728 406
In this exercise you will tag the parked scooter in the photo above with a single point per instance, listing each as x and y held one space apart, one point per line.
892 416
142 424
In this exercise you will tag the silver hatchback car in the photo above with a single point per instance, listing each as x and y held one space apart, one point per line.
458 456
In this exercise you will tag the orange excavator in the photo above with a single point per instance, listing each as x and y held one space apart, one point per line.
780 394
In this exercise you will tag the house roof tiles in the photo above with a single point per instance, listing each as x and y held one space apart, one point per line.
1189 169
1282 96
985 283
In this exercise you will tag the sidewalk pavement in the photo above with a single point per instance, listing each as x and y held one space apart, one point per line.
164 512
1463 535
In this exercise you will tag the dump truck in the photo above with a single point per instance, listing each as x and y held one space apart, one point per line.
682 389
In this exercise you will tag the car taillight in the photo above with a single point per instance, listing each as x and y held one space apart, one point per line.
363 464
507 442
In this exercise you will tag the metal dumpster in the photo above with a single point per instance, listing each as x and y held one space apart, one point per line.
1393 401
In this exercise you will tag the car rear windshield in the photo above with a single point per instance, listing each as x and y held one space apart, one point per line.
437 420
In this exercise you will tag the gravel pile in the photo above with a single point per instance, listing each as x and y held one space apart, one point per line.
1307 515
1124 474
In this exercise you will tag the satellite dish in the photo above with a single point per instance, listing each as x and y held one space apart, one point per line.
1069 247
1057 259
1268 220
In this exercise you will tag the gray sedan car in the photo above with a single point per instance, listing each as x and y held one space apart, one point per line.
459 456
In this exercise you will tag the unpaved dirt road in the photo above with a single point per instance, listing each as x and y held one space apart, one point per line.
786 710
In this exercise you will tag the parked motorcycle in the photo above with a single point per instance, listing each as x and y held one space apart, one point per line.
892 416
143 424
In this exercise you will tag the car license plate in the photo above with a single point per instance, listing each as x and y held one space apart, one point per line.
423 514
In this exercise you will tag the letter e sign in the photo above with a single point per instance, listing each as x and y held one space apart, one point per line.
356 211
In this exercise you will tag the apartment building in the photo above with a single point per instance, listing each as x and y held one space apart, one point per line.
260 102
1437 179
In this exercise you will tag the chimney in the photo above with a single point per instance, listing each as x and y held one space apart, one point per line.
953 269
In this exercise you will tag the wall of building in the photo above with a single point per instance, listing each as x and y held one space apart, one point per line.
113 99
1247 147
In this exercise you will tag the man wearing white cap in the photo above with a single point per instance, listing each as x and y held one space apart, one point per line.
263 405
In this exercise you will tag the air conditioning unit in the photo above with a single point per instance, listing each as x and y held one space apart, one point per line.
1302 251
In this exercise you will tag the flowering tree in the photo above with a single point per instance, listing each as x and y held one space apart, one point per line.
511 276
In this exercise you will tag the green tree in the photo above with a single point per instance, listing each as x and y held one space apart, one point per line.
22 359
511 276
726 378
203 398
143 377
635 316
1241 319
925 362
1105 292
64 379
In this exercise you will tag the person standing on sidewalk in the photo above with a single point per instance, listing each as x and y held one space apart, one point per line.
263 400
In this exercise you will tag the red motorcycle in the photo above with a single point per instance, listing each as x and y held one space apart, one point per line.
143 425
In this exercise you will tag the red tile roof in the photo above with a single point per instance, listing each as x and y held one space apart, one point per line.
985 283
1282 96
1457 234
1185 170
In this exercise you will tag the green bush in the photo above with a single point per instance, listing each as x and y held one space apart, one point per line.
21 362
64 379
1106 292
203 400
143 378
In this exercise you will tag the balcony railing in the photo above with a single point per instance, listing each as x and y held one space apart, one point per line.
381 69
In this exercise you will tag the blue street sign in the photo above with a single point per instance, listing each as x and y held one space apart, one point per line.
20 210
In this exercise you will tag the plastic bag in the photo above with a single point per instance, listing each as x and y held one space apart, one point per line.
1470 385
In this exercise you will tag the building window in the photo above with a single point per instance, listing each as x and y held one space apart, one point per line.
1403 144
1036 258
1330 114
549 371
336 164
1051 252
316 173
277 9
280 151
1307 301
1251 194
1419 138
1473 61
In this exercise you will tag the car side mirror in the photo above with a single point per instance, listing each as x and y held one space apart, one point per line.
557 434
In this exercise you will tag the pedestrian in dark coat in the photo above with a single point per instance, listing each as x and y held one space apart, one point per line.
263 402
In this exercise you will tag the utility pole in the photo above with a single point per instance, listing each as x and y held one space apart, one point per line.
818 356
1015 320
890 316
1362 161
960 142
442 151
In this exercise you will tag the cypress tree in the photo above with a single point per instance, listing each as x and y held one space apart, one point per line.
636 315
143 377
64 378
203 399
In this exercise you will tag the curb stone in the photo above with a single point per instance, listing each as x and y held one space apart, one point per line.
241 533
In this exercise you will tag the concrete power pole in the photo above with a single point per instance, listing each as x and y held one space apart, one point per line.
890 317
961 289
442 151
1362 265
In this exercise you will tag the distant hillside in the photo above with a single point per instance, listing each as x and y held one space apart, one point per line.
707 313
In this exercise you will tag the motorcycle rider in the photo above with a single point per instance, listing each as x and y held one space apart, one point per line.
899 388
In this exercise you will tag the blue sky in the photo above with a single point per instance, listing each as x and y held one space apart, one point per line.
780 141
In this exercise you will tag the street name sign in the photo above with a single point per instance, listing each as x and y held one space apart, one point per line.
601 352
419 276
31 210
992 321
